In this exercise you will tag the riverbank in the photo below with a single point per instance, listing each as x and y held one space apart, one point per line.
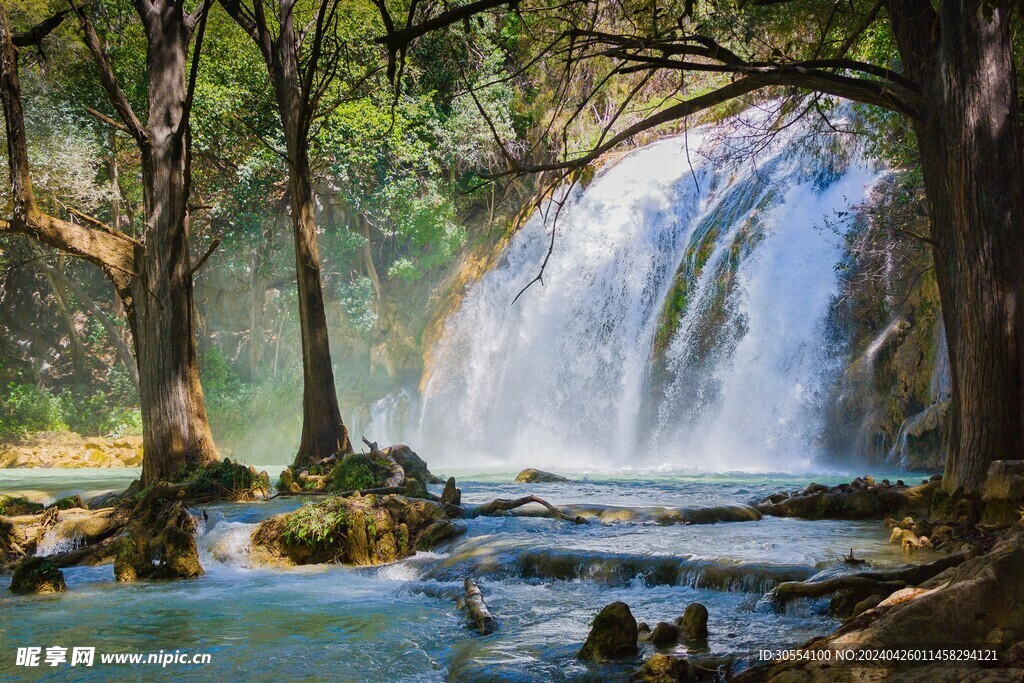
71 450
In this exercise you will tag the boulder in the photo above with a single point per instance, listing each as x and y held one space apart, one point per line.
37 575
413 464
358 530
664 635
532 476
662 668
613 635
694 623
1005 481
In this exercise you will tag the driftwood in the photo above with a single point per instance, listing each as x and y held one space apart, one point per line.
379 491
881 582
505 504
478 612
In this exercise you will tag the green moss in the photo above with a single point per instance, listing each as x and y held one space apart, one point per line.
12 506
67 502
313 525
358 472
223 478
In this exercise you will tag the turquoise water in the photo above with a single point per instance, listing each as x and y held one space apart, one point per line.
544 581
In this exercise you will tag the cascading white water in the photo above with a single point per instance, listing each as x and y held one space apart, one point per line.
566 378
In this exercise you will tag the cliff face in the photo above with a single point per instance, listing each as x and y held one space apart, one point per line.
890 403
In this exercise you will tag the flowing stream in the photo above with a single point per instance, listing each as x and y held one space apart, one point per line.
544 581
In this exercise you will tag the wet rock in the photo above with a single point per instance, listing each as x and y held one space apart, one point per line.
694 623
37 575
612 636
643 631
451 499
413 464
847 501
664 635
532 476
358 530
662 668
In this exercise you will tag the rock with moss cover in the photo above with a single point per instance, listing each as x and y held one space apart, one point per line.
613 635
158 544
37 575
532 476
356 530
68 503
14 506
223 480
663 668
359 472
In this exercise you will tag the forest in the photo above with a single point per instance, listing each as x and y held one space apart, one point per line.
743 276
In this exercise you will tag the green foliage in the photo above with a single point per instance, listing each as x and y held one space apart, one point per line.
358 472
27 409
221 478
98 414
316 524
11 506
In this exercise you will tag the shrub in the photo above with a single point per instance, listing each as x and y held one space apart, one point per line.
27 409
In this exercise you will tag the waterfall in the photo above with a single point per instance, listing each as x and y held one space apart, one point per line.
680 322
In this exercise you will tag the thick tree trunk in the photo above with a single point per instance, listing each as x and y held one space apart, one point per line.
323 432
175 429
970 145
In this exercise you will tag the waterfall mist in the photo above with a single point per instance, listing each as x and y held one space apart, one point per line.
572 376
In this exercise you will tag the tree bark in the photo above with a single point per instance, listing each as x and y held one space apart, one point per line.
323 431
175 429
154 279
969 137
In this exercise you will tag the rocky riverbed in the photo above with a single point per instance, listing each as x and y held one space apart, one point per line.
71 450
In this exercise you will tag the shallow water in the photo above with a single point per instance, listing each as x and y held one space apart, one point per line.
544 580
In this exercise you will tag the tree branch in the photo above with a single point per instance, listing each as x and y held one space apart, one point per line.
107 77
35 35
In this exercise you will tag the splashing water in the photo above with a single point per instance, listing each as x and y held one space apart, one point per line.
585 372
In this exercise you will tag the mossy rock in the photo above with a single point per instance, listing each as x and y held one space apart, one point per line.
612 636
532 476
67 503
693 625
223 480
359 472
413 464
663 668
159 545
37 575
357 530
14 505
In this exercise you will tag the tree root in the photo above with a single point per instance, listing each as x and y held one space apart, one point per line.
379 491
478 612
505 504
880 582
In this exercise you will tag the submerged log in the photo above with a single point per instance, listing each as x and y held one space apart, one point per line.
478 612
505 504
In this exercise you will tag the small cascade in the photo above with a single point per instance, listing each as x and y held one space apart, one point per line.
224 542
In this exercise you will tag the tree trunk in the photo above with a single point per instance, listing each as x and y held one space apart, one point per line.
970 145
323 432
175 429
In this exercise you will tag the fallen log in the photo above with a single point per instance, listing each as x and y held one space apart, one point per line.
477 608
505 504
